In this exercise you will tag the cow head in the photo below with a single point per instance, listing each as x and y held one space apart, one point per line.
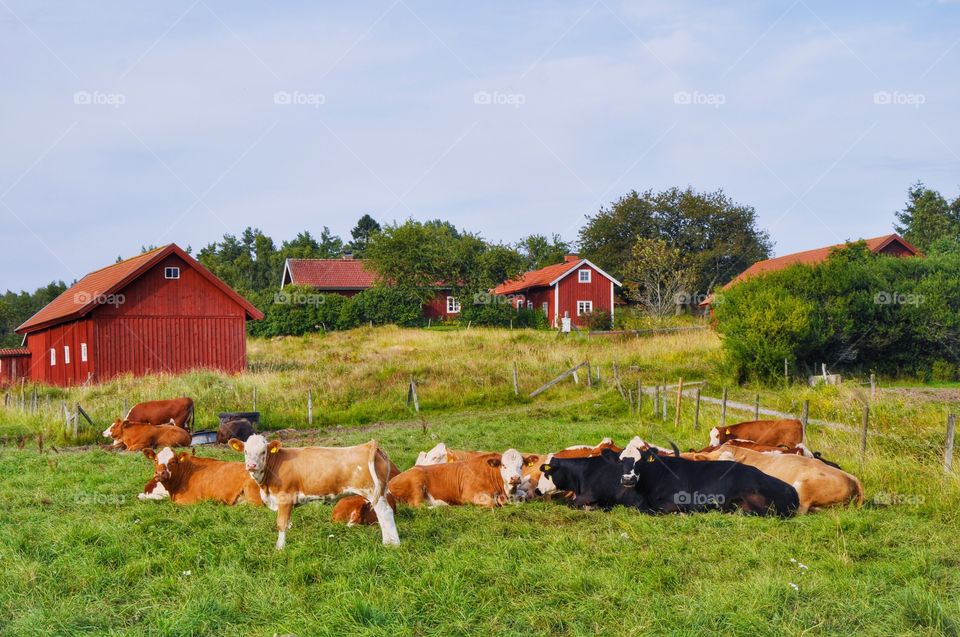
166 464
255 451
546 485
511 469
437 455
114 430
715 437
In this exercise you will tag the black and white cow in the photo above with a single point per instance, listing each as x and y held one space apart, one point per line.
595 481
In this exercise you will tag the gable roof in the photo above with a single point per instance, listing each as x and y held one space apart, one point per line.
546 277
329 274
7 352
84 296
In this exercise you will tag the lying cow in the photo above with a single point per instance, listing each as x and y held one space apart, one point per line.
289 477
186 479
668 484
440 454
137 435
161 412
817 485
799 450
239 428
354 509
776 433
488 480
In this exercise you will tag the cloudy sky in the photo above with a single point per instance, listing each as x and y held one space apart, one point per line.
125 124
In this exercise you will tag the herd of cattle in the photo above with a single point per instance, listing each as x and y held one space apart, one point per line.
758 467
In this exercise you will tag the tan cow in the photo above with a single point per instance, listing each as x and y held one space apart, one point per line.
440 454
776 433
289 477
489 480
186 479
817 484
138 435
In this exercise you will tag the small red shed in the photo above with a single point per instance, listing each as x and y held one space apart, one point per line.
158 312
14 364
574 288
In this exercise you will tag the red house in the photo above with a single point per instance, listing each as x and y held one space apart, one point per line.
160 311
574 288
348 276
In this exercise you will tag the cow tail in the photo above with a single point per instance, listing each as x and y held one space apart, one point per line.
379 489
189 420
857 491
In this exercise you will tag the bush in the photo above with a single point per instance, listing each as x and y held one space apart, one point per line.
381 305
599 320
294 311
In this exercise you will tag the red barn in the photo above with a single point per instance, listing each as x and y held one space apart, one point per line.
574 288
14 364
348 276
160 311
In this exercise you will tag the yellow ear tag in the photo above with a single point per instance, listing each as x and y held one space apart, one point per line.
650 459
274 449
530 464
546 467
728 432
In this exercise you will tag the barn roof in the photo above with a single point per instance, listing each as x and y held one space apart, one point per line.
546 277
330 274
6 352
86 294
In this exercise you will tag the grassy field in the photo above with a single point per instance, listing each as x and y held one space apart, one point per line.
82 555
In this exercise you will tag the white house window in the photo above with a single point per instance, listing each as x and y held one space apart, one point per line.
53 356
584 307
171 273
83 352
546 308
453 305
66 354
585 276
529 305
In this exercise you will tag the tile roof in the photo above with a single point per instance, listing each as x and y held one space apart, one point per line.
537 278
14 351
331 274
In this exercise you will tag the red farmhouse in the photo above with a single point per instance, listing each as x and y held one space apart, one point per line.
574 288
157 312
348 276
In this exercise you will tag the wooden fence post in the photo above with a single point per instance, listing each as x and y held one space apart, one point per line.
804 418
630 401
656 400
948 450
696 410
76 422
786 372
679 402
516 380
756 408
863 432
309 406
254 398
412 395
589 375
723 409
639 396
873 386
663 403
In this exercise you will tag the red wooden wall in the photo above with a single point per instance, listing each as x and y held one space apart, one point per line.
70 335
436 308
599 290
12 368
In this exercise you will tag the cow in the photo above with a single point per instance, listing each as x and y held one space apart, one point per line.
161 412
776 433
817 485
239 428
187 479
354 509
594 481
488 481
440 454
531 468
289 477
799 450
668 484
138 435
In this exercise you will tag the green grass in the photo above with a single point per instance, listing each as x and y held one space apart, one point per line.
81 554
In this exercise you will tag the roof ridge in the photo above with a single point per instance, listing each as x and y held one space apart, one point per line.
127 260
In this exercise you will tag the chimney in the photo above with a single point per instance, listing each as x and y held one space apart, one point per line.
570 258
348 256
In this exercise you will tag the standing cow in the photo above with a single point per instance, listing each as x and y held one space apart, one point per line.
289 477
776 433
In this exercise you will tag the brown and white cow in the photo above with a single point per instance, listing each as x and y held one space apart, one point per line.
355 510
440 454
187 479
138 435
776 433
161 412
817 484
289 477
489 480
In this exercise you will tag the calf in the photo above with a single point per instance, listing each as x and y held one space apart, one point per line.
137 435
186 479
817 484
668 484
776 433
487 480
354 509
290 477
161 412
239 428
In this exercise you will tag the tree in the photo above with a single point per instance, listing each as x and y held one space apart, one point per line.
657 277
538 251
366 227
927 217
718 237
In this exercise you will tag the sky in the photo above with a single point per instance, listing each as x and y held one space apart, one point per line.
129 124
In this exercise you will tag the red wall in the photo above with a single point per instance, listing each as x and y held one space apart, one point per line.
436 308
571 290
71 335
12 368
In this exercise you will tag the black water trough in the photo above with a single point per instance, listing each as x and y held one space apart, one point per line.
206 437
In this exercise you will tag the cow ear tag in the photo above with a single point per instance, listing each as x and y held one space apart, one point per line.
649 458
274 449
728 432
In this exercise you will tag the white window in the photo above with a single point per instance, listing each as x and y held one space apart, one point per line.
584 307
66 354
529 305
585 276
83 352
53 356
546 308
171 273
453 305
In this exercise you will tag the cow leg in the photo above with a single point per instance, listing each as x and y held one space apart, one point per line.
388 528
285 506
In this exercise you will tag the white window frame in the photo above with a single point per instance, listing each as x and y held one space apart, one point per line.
587 279
453 305
83 352
545 306
171 273
584 307
53 357
529 305
66 354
